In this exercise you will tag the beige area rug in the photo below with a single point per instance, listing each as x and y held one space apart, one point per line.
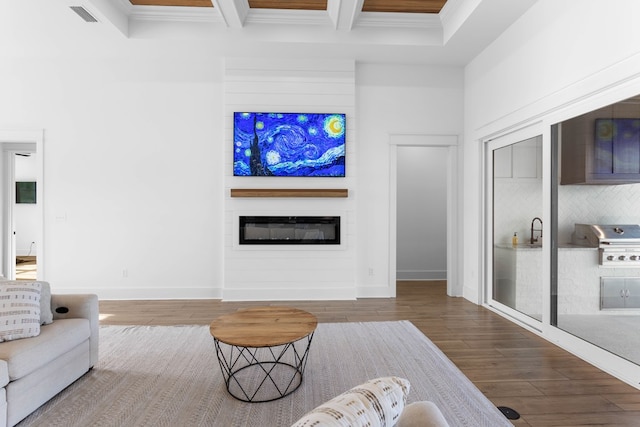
169 376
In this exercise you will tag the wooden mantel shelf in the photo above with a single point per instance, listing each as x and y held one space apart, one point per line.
290 192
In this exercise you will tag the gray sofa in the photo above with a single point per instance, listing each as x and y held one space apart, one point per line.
33 370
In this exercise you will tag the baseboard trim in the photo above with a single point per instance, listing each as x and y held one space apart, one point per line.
318 294
146 293
421 275
375 292
245 294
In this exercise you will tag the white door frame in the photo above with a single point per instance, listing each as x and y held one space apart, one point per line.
12 141
454 248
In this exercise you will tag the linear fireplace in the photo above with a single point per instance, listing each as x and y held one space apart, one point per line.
289 230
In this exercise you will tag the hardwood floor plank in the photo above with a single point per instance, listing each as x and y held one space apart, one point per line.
584 373
557 404
506 373
625 400
585 419
495 389
458 354
510 365
605 387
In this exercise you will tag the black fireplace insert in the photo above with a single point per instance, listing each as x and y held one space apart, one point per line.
289 230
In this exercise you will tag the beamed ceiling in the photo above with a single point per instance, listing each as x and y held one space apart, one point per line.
448 32
398 6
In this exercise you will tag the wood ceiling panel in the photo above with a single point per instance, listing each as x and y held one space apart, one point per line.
405 6
183 3
289 4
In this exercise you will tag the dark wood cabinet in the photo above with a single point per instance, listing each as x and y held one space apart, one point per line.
601 147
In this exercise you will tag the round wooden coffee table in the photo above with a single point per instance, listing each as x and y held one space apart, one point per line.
263 351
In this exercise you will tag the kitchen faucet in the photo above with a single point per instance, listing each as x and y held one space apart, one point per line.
534 240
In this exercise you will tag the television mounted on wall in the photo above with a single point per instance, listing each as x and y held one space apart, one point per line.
289 144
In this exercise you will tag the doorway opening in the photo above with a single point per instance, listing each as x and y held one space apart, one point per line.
22 214
422 214
446 147
25 214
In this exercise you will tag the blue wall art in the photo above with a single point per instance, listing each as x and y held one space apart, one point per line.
289 144
616 144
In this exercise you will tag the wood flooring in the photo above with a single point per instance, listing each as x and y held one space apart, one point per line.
511 366
26 267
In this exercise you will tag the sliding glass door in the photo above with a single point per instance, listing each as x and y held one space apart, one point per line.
596 186
515 224
547 264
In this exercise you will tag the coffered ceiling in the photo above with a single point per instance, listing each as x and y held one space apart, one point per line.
398 6
448 32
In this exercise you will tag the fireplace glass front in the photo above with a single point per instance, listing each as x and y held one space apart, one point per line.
289 230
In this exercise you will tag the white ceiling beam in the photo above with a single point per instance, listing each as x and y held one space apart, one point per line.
454 14
106 11
233 12
343 13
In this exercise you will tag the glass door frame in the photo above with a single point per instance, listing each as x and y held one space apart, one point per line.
489 145
603 359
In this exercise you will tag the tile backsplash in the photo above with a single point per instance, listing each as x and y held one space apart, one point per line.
596 204
517 202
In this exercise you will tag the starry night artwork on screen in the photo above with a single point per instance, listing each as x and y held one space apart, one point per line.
289 144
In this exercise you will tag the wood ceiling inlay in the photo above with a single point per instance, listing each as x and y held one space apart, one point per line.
403 6
181 3
285 4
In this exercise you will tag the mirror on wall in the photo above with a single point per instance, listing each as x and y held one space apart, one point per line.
595 286
518 230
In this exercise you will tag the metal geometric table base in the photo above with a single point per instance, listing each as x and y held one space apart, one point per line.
263 374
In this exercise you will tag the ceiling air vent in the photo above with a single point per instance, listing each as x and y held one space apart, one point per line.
83 13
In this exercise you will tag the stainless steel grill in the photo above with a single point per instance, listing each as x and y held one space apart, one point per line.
618 245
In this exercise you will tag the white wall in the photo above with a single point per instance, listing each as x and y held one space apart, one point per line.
302 271
422 213
133 196
137 164
394 100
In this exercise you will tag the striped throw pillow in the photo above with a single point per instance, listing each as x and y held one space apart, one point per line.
19 310
376 403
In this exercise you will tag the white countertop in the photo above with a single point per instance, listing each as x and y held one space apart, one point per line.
537 247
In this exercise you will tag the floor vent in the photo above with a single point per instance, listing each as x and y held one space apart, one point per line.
511 414
83 13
